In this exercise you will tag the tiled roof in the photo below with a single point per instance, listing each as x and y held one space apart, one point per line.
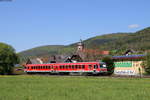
129 57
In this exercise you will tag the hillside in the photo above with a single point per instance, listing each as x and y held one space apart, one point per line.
40 51
47 50
138 41
119 41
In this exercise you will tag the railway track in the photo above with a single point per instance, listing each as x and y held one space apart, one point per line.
113 76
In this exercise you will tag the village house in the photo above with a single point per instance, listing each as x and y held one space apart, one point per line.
128 64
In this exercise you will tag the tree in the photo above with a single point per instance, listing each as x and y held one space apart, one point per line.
109 63
147 63
8 58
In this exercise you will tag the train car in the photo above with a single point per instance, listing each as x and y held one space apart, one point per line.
78 67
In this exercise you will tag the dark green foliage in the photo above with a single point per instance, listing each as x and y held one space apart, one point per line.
8 58
110 64
147 63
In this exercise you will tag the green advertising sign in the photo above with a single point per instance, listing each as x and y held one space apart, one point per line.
123 64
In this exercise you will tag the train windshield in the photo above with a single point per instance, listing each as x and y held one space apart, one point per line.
103 65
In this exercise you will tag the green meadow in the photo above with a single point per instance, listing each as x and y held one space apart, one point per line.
73 88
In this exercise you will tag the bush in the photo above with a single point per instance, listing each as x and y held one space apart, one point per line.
110 64
147 63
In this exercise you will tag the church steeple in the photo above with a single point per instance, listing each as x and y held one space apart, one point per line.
80 46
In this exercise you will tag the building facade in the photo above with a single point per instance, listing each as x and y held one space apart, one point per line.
128 65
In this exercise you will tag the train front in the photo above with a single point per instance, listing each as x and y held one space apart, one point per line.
103 67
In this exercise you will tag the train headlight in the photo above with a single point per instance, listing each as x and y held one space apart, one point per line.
104 65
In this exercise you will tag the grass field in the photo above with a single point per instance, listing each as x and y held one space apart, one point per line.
73 88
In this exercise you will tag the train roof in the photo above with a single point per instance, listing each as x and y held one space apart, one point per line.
129 57
63 63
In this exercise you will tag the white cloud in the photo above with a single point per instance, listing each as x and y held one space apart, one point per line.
134 26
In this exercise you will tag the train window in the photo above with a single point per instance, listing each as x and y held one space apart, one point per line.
90 66
72 66
79 66
95 66
62 67
69 66
76 66
83 66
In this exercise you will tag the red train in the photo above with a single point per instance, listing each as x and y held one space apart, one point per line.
79 67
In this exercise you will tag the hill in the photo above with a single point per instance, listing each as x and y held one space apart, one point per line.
47 50
139 40
117 42
42 50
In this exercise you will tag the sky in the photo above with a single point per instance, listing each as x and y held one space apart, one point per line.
26 24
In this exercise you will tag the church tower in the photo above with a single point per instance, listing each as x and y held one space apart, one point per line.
80 46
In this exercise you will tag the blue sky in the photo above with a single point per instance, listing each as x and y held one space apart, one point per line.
25 24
